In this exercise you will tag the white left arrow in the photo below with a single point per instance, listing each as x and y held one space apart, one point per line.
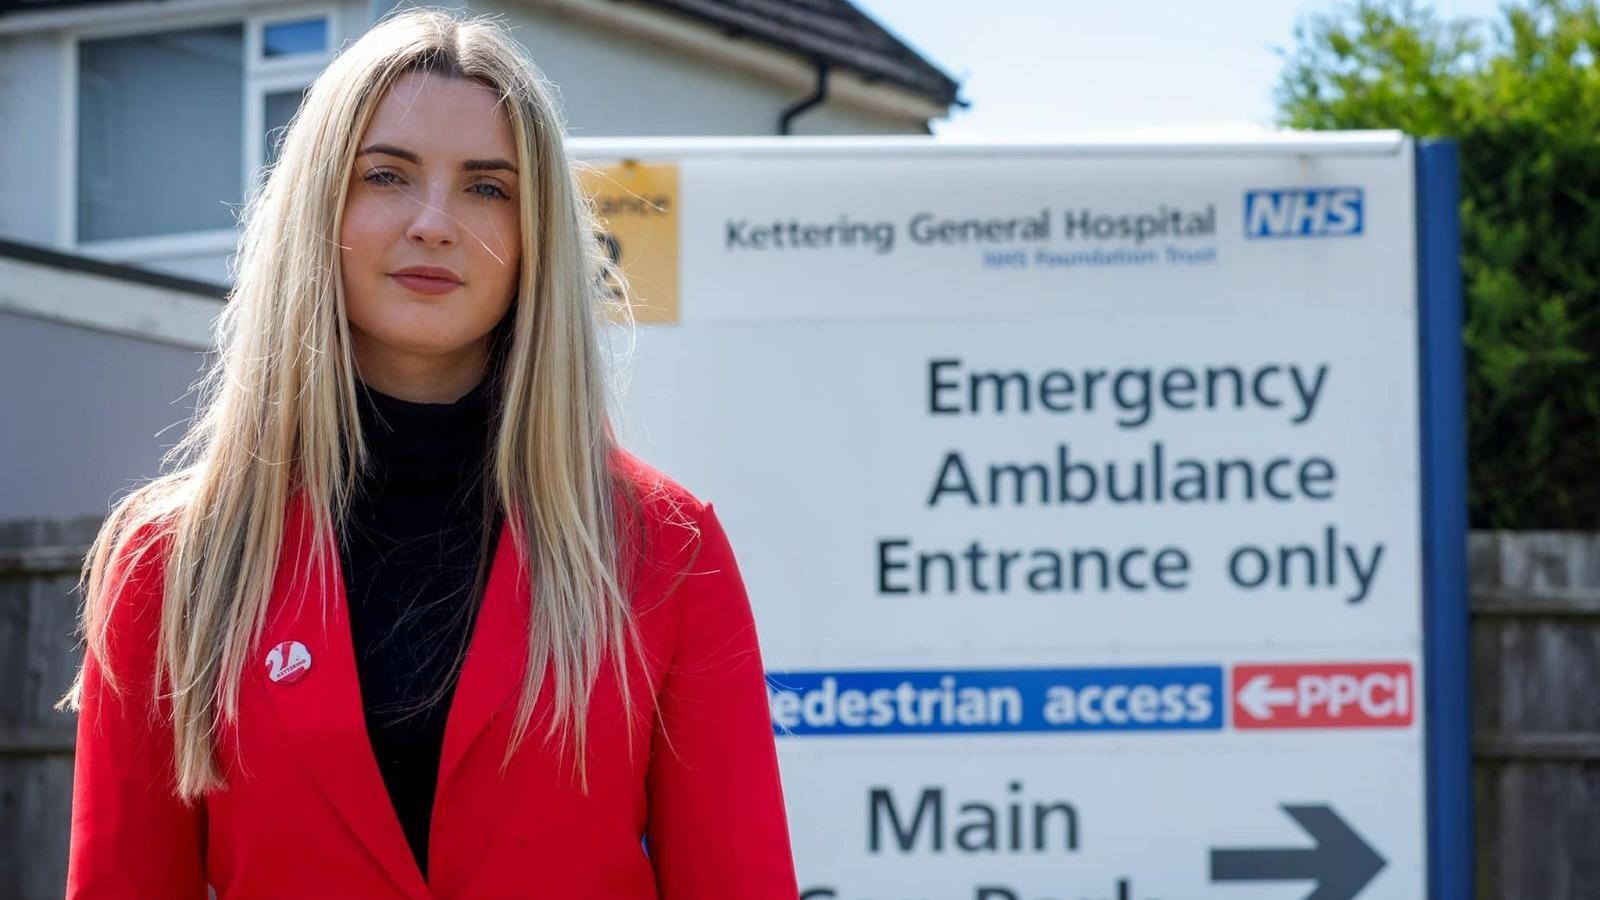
1258 697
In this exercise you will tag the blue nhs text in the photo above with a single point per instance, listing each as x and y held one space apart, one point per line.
1303 212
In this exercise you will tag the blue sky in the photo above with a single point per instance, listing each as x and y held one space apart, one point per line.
1036 67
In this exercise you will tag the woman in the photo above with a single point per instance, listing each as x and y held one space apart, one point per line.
403 621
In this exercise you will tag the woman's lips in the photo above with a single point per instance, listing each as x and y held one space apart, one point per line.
425 285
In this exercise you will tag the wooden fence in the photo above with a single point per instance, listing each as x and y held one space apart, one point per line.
1536 714
1536 664
39 563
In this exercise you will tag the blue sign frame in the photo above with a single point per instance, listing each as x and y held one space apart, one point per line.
1446 647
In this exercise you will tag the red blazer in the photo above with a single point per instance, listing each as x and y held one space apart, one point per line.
306 814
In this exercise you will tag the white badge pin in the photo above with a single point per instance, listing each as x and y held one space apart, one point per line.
288 662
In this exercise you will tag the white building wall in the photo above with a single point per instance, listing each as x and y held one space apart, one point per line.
100 410
609 83
618 85
33 113
38 134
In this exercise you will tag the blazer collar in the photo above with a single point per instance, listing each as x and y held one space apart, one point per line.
322 712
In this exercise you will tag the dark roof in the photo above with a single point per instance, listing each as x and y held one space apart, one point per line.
73 262
830 31
9 6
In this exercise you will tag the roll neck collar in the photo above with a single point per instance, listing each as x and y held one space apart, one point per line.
429 441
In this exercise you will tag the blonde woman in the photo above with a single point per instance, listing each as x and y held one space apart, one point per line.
403 621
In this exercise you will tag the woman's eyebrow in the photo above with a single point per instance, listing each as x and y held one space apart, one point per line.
471 165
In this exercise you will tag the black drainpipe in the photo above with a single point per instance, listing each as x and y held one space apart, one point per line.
817 97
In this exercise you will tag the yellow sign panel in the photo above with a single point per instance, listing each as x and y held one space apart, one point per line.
637 204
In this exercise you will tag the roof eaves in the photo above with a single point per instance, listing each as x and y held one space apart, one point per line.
45 256
824 38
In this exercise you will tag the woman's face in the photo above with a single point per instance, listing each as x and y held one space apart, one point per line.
431 241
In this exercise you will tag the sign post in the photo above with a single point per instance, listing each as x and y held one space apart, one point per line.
1101 504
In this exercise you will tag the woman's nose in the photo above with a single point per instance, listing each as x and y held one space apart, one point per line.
431 221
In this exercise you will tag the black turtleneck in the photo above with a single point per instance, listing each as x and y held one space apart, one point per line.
411 555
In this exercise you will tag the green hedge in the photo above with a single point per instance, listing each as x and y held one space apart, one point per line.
1521 94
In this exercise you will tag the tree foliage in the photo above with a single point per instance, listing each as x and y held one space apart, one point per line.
1521 95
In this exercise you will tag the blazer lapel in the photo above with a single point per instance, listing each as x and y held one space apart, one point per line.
497 656
321 712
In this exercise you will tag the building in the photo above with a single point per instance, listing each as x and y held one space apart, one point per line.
130 130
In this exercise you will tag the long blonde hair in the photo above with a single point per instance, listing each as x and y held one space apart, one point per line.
278 413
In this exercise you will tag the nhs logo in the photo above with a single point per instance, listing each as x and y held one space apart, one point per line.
1302 212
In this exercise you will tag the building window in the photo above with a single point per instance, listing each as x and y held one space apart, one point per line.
287 52
295 38
278 107
173 125
159 142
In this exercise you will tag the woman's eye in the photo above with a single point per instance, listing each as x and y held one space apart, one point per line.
383 177
494 191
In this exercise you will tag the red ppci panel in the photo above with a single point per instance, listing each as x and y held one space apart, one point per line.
1323 695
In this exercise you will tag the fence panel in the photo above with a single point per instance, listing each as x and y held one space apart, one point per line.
1536 658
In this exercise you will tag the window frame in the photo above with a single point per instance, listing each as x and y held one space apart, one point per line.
255 40
260 76
264 75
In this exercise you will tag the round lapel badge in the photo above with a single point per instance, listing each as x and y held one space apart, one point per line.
288 662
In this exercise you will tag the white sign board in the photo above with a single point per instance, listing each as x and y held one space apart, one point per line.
1077 493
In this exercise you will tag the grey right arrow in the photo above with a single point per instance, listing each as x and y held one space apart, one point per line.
1341 863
